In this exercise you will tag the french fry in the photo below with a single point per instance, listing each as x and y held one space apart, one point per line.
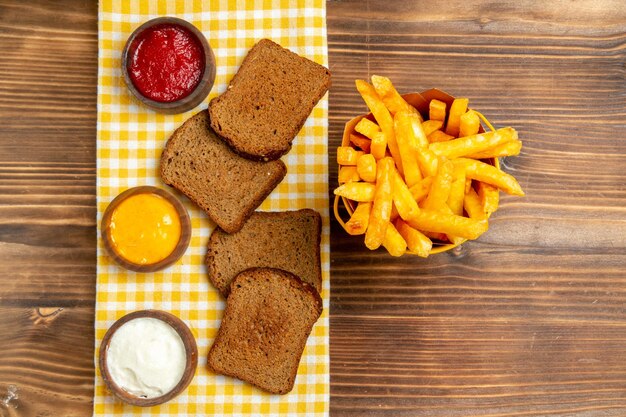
367 128
457 190
450 224
381 209
481 171
394 242
361 141
489 197
347 155
357 191
348 174
378 147
468 145
469 124
382 116
435 236
357 225
468 184
420 190
430 126
366 167
471 204
421 141
459 107
428 162
440 188
390 96
415 240
510 148
439 136
394 213
402 198
407 147
437 110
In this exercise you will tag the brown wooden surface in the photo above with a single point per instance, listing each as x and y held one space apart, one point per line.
530 320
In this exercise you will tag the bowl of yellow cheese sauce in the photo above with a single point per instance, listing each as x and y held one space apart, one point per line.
146 229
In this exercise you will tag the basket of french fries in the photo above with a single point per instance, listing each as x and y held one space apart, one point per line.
419 174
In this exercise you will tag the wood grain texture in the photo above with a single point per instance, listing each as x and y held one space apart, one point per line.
48 76
529 320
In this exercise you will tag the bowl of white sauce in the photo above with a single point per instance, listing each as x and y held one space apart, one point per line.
148 357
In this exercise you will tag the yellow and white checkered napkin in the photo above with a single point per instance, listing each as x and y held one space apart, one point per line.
130 140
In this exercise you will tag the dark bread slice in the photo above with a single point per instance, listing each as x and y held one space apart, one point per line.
226 186
268 318
288 240
268 101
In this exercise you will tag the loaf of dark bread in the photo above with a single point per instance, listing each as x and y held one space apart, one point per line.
268 101
226 186
288 240
268 318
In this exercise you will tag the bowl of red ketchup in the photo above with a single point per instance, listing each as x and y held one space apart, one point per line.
168 65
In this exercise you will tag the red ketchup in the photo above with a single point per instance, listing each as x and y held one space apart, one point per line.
165 62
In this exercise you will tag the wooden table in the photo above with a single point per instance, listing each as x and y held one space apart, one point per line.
530 320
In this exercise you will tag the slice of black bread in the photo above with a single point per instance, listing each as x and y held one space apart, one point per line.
268 318
268 101
288 240
226 186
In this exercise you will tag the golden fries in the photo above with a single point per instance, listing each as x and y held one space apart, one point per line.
450 224
420 190
361 141
469 124
483 172
381 209
402 198
407 147
347 155
411 184
505 149
348 174
440 188
382 116
457 190
416 241
439 136
457 148
357 191
437 110
472 206
394 242
389 95
458 108
357 225
489 197
367 128
366 168
430 126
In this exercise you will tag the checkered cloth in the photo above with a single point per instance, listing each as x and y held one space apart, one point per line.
130 140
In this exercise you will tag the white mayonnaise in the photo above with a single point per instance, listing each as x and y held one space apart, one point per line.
146 357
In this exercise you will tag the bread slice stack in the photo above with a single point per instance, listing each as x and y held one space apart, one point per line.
275 258
266 264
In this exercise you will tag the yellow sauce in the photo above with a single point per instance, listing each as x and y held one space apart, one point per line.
145 229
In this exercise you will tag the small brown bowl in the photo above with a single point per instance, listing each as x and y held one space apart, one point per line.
191 351
179 250
202 89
